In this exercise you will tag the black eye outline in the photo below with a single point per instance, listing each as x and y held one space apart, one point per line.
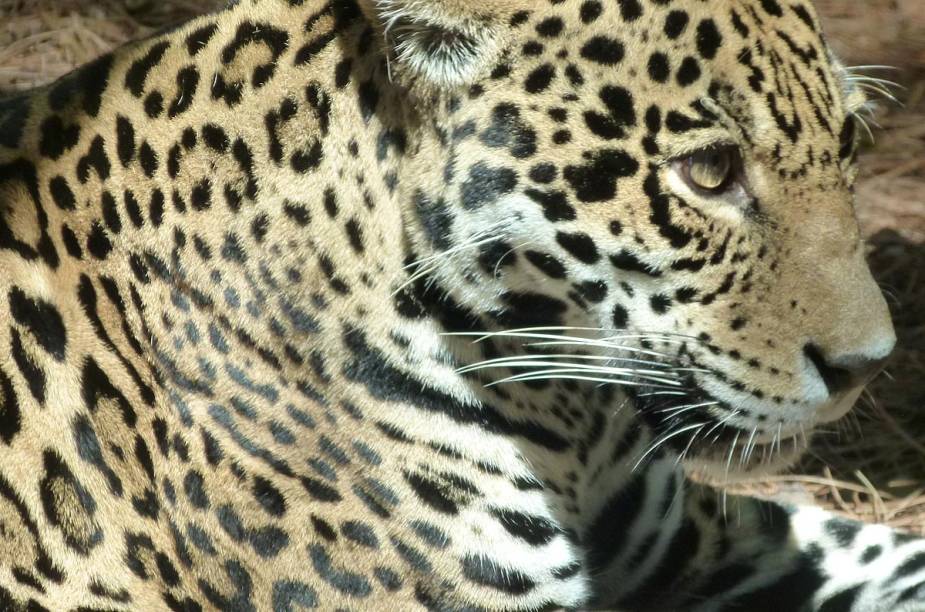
729 154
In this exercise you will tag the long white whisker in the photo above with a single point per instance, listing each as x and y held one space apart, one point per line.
425 266
664 439
852 69
497 267
567 374
655 375
723 421
732 449
597 344
477 239
747 450
675 411
568 328
873 79
864 124
690 443
562 368
662 339
879 90
502 361
778 438
541 334
559 340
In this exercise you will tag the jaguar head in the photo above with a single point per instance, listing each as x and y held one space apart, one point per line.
675 176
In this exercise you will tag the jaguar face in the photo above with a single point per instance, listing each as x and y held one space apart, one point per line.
678 178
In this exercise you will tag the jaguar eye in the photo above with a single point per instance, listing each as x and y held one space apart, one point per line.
712 170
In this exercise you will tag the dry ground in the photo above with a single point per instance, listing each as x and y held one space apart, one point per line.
873 466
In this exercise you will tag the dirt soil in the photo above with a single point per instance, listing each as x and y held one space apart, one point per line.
872 466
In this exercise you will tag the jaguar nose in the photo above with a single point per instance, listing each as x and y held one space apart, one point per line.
843 373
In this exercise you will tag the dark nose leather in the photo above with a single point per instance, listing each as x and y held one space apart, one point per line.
845 372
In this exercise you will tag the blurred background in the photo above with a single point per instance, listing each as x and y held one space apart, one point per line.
872 466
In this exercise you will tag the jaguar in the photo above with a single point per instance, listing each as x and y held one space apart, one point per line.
437 304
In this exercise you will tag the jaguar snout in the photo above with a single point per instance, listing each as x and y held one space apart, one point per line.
844 373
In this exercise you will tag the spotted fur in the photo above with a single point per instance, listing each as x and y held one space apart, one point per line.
261 274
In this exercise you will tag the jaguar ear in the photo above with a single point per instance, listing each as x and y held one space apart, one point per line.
446 42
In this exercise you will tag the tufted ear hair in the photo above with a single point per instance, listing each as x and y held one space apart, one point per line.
446 42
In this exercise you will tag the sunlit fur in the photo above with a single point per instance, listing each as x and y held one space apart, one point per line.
409 304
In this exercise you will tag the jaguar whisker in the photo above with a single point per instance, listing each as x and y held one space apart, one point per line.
569 375
660 441
502 361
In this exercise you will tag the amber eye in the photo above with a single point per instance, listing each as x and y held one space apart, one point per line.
711 170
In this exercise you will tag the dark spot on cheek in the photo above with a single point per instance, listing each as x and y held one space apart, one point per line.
660 303
675 24
686 295
533 48
689 72
508 130
576 79
486 184
620 114
549 265
540 79
708 39
659 67
500 72
620 317
593 291
368 99
596 181
590 11
603 50
519 18
628 262
562 137
496 255
550 27
580 246
531 310
630 10
543 173
555 204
